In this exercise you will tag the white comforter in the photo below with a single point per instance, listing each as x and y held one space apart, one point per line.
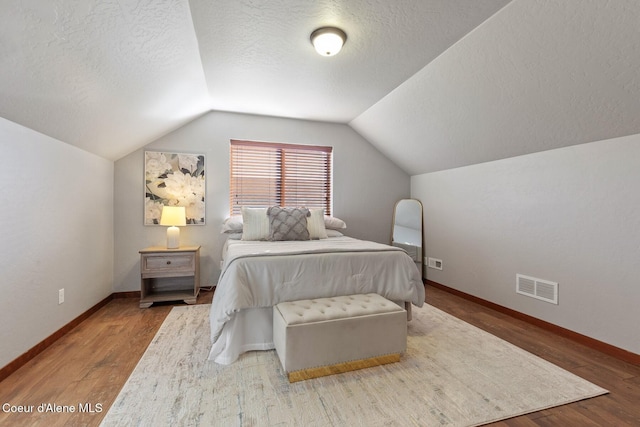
263 274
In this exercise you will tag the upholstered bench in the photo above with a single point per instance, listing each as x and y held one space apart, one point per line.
325 336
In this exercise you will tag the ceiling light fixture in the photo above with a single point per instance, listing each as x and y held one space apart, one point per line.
328 40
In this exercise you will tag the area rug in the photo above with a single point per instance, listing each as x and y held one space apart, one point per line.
453 374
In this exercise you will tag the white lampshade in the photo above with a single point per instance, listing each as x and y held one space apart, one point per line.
173 216
328 40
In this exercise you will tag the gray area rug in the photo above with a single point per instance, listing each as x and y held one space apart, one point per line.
453 374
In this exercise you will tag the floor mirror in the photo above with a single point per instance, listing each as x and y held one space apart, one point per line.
407 229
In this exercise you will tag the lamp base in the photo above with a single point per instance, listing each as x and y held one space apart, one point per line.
173 237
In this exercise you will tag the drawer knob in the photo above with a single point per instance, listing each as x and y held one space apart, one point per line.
168 262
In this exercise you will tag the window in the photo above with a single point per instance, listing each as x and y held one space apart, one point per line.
272 174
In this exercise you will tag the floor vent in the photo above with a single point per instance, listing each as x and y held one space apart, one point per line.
537 288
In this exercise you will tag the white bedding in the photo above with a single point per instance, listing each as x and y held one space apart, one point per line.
258 275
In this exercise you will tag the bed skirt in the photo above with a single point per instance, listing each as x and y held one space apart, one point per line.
249 329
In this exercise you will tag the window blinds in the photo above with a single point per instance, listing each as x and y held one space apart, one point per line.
273 174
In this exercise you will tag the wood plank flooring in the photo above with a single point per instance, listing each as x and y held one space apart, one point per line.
86 369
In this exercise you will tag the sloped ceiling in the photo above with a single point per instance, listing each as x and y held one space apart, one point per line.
433 84
258 58
538 75
107 76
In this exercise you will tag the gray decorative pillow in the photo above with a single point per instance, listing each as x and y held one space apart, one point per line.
288 223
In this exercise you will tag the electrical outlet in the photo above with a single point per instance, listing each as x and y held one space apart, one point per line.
60 296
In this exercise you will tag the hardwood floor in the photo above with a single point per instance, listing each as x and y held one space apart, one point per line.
90 364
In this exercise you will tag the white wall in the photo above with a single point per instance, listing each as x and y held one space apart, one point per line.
366 186
57 222
570 215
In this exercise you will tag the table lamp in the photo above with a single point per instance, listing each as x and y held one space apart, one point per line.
173 216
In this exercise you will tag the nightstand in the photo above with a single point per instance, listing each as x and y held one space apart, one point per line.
169 275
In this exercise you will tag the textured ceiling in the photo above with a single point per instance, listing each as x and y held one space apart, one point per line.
536 76
110 76
433 84
107 76
257 56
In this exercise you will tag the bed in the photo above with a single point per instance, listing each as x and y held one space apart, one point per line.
256 275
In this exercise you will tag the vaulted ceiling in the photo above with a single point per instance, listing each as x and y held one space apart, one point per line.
433 84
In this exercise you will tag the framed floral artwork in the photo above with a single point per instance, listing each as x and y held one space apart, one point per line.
174 179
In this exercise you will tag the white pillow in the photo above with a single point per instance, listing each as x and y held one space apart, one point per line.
333 223
255 224
315 224
233 224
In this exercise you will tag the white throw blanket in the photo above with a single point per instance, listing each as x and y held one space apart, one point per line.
263 274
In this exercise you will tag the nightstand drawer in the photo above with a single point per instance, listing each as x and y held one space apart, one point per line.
164 263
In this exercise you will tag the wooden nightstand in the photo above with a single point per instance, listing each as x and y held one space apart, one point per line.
169 275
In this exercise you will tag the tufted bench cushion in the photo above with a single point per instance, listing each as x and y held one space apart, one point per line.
313 337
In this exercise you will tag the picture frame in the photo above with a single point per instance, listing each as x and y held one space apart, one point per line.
174 179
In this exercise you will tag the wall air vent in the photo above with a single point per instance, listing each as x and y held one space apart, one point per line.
537 288
434 263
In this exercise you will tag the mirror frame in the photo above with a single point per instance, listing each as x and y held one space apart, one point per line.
393 223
